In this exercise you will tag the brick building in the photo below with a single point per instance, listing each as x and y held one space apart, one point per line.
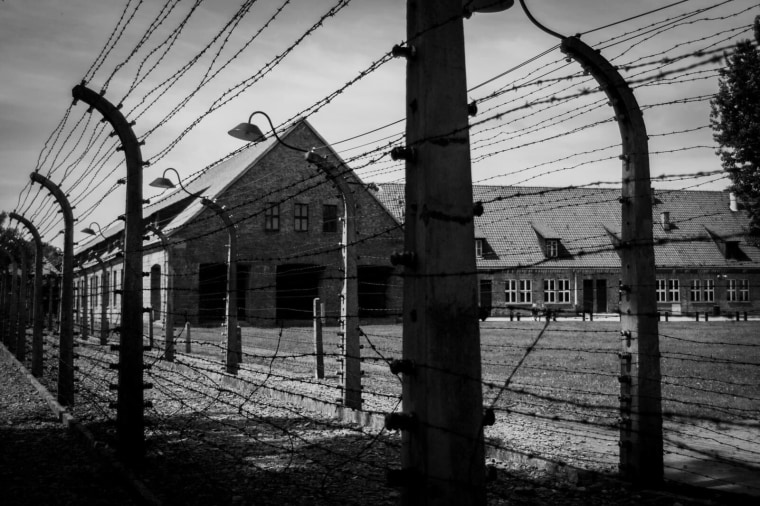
288 220
555 248
548 247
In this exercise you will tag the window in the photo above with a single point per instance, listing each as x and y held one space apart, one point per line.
674 290
563 290
709 293
552 248
478 248
662 294
695 293
550 291
272 218
329 218
731 294
94 291
526 291
510 290
743 290
301 217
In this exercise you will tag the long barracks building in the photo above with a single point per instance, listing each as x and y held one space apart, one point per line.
548 247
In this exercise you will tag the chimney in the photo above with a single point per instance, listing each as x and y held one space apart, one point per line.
665 220
732 203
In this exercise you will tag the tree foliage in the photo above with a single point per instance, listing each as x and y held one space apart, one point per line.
11 239
735 119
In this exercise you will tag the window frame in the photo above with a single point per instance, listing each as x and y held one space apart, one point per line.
272 218
695 290
550 291
526 291
300 217
661 286
552 248
674 290
708 290
563 291
732 292
744 290
510 291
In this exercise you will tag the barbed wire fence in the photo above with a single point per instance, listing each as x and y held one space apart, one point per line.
552 386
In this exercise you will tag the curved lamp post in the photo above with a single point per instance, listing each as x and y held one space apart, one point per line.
37 310
234 354
349 306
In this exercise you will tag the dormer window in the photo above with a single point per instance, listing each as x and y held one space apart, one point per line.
729 247
552 248
549 241
478 248
733 252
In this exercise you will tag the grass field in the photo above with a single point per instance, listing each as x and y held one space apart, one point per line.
710 370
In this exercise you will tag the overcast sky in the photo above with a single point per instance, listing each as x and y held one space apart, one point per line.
48 46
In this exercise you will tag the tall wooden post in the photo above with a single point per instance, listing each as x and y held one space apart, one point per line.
442 446
130 422
641 446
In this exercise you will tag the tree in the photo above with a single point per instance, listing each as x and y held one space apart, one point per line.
735 119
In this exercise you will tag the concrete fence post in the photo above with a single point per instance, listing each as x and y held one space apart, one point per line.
641 438
319 368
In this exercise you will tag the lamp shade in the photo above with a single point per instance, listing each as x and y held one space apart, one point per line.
485 6
247 132
162 182
88 231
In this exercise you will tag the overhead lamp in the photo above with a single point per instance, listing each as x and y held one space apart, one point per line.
251 133
162 182
247 132
167 184
91 231
486 6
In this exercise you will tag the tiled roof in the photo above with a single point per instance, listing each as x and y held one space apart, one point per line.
209 183
587 220
214 180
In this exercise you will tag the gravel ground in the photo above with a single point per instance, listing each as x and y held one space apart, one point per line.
41 462
209 444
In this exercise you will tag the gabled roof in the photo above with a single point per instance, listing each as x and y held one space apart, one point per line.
587 222
176 208
213 181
